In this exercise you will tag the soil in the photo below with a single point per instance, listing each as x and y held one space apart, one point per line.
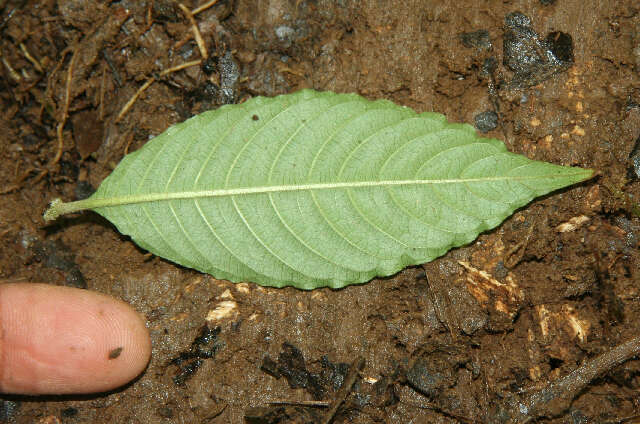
464 338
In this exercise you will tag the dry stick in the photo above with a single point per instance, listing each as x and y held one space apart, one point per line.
133 98
65 110
522 245
562 391
150 81
196 31
12 72
315 403
344 391
181 67
203 7
30 58
53 73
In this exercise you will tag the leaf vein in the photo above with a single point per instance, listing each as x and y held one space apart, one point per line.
221 241
252 138
259 240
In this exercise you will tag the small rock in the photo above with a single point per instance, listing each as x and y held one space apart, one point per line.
531 59
229 75
486 121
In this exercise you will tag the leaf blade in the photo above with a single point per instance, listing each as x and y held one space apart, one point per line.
231 191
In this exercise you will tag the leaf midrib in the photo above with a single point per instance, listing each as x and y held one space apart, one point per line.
198 194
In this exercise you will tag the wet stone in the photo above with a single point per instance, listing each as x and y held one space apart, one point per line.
229 75
486 121
531 59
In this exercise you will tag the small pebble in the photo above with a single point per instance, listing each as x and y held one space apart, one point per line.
486 121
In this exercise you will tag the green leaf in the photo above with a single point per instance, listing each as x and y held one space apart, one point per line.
315 189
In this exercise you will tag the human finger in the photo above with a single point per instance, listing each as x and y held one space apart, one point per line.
62 340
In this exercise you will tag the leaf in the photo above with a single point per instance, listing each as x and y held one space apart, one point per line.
315 189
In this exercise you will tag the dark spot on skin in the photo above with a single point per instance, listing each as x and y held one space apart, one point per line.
113 354
255 117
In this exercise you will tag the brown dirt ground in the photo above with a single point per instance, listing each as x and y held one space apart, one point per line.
571 292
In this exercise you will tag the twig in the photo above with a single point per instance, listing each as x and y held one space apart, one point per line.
557 396
52 74
150 81
521 245
16 76
65 111
344 391
181 67
9 189
196 31
317 403
129 141
203 7
112 66
133 98
39 177
30 58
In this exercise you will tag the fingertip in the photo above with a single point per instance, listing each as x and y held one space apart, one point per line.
62 340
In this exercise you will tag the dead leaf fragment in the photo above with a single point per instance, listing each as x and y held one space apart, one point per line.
491 293
572 224
223 310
